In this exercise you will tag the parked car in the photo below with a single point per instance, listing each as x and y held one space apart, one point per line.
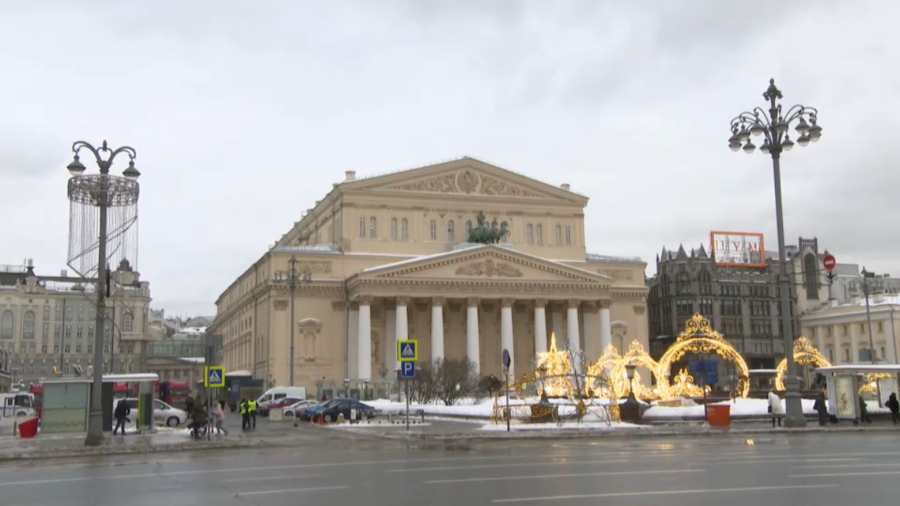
276 394
331 409
279 404
298 408
163 414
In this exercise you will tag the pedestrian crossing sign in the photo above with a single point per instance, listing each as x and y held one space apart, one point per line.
214 377
407 351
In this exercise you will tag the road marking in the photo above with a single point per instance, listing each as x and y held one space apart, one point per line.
661 492
573 475
785 461
525 464
836 475
285 477
249 469
848 465
288 490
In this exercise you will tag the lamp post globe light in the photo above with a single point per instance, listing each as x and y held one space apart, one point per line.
102 191
774 127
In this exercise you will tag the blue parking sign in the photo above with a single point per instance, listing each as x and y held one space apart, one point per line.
407 369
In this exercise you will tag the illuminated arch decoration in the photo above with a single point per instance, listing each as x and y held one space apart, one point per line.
619 376
804 354
699 338
871 384
596 375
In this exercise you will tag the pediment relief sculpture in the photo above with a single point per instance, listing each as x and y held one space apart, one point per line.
489 268
467 181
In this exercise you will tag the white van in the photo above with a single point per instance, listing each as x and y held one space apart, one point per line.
276 394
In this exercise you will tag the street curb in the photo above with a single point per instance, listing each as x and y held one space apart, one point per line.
624 433
135 449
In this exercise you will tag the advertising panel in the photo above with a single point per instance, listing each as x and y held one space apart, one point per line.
738 249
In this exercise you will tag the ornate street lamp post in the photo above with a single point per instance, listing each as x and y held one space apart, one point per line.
102 191
292 279
773 125
866 276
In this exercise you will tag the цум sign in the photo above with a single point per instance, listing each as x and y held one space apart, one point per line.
739 249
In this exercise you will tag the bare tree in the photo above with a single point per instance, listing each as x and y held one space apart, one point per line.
454 379
422 388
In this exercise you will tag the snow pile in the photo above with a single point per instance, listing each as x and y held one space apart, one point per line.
565 426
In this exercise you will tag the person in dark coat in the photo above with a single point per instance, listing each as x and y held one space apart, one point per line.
894 406
121 414
863 412
821 409
199 419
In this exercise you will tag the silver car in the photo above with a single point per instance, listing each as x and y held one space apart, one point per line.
297 409
163 414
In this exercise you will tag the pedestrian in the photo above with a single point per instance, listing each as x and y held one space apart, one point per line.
121 414
220 418
863 412
245 415
894 405
821 409
776 408
251 407
189 405
200 419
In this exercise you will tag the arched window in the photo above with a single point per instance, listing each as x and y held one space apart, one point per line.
559 234
540 234
362 226
404 229
433 230
127 322
28 325
568 234
373 227
7 325
393 228
530 233
451 230
811 276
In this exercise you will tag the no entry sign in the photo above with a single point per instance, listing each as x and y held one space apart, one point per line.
829 262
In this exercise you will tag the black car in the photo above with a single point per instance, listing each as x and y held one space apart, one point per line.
334 407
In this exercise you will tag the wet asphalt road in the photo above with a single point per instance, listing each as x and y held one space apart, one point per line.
338 469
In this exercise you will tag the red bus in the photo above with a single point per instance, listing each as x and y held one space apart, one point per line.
174 393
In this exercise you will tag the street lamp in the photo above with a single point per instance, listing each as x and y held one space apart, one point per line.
292 279
774 126
865 286
630 410
102 191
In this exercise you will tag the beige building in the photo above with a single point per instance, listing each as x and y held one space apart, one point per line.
841 331
47 322
389 260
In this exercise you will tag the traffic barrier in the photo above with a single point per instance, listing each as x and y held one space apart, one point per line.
718 415
28 428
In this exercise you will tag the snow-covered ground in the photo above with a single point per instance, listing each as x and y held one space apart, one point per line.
565 426
739 407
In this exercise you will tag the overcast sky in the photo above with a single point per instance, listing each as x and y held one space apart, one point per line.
245 113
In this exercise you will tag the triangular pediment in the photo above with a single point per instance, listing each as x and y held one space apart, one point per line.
485 263
466 176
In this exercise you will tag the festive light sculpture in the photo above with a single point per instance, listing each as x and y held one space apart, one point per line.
700 339
554 371
683 386
637 356
804 354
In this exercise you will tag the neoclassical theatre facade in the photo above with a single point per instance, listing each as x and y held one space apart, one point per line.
386 258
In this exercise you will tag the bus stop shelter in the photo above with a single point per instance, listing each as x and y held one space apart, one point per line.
845 382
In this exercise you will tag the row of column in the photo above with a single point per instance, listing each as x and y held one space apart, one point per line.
598 331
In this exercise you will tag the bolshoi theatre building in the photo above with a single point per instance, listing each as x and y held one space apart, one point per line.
387 258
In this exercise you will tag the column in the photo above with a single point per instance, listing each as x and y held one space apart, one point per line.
364 345
556 325
540 326
390 339
437 328
472 348
353 341
506 333
402 323
606 326
572 325
838 352
592 348
854 351
820 339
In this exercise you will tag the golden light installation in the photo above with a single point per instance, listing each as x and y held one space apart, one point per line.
596 375
637 356
699 338
871 384
804 354
554 370
683 386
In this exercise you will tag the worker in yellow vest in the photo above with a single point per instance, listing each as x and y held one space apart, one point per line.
251 407
245 415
